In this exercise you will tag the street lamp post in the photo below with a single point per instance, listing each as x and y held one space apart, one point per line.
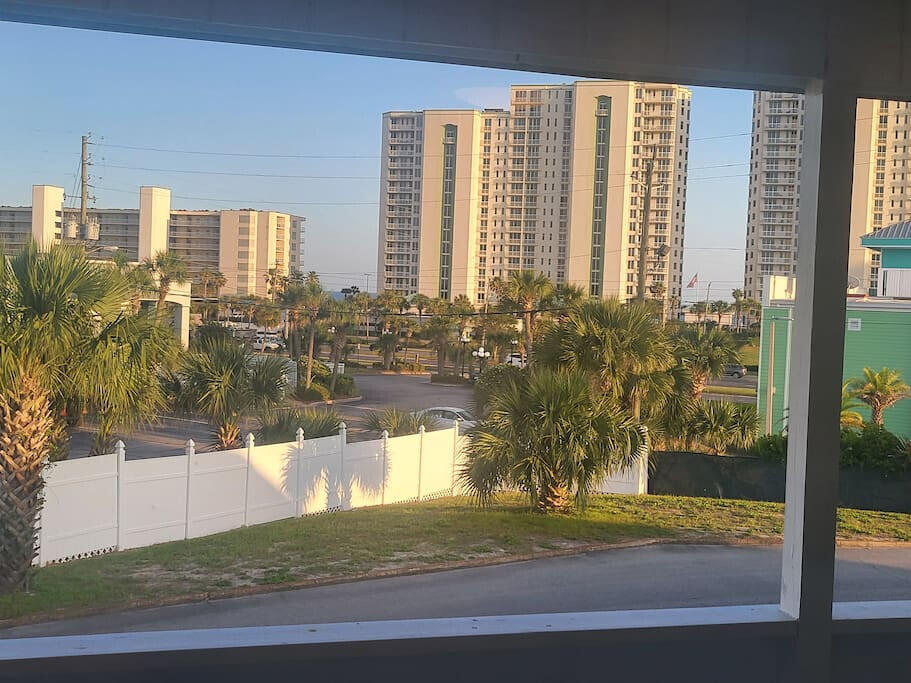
482 355
464 339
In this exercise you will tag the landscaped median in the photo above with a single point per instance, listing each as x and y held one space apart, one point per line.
405 538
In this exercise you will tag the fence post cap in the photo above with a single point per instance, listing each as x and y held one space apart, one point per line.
300 435
251 440
385 433
342 425
190 444
422 429
120 447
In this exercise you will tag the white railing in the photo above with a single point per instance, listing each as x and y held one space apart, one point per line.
106 503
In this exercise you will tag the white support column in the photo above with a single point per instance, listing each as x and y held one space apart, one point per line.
455 452
298 456
817 352
251 444
421 431
190 451
120 454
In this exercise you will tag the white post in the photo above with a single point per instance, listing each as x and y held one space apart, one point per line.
120 454
251 444
190 451
342 440
299 454
421 431
385 465
41 536
455 448
817 354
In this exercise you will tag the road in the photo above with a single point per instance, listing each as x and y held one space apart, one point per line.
633 578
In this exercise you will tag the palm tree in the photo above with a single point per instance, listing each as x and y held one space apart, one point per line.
274 282
719 308
68 346
168 268
312 300
283 425
224 382
704 352
700 308
620 345
738 308
439 333
386 343
140 279
342 320
407 328
879 390
721 425
673 303
553 436
526 291
420 301
568 295
849 417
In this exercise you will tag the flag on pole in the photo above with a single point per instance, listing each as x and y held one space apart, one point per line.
692 283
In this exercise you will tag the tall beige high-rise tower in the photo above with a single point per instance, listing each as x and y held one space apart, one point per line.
881 191
554 184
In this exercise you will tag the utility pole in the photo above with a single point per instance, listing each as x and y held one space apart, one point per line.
84 191
648 171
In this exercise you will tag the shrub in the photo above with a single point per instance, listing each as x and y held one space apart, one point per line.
211 331
494 380
398 422
871 447
316 392
282 427
320 369
345 386
406 366
721 425
448 379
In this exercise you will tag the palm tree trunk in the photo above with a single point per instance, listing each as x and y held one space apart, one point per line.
876 413
25 427
162 295
310 353
529 336
441 356
335 359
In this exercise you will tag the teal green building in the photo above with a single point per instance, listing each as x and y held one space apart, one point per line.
877 332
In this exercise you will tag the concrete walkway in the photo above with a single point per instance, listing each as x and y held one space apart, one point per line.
635 578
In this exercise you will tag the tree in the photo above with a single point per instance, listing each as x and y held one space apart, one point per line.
420 302
439 333
568 295
704 352
721 425
312 300
700 308
139 278
554 436
224 382
462 307
342 320
275 283
169 269
385 344
619 345
738 308
849 417
68 345
526 291
673 303
879 390
407 328
719 308
292 298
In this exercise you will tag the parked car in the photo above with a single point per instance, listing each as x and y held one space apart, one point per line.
735 370
446 416
268 342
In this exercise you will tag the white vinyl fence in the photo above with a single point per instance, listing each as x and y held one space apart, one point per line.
104 503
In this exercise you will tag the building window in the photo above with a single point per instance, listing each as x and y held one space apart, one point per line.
448 207
599 194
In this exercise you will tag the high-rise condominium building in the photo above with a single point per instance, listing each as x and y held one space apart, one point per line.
554 185
881 192
242 244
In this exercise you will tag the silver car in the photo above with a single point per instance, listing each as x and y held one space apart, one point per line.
446 416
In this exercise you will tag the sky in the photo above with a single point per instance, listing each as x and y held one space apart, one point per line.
322 111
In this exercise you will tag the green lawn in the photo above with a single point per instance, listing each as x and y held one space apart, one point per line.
730 391
395 537
749 353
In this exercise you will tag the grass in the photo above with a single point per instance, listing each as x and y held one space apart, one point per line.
730 391
749 353
396 537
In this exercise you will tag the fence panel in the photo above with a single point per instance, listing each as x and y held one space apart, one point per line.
154 501
402 468
632 481
80 509
364 474
319 470
436 463
271 495
217 484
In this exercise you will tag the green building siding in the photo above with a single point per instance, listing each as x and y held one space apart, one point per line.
883 340
896 258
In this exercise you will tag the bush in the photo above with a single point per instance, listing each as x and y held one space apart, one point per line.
316 392
448 379
493 380
406 366
211 331
345 386
282 427
872 447
398 422
320 369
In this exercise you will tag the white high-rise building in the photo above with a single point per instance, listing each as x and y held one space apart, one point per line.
554 184
881 192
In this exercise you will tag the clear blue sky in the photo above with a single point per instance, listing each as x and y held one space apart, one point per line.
178 94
